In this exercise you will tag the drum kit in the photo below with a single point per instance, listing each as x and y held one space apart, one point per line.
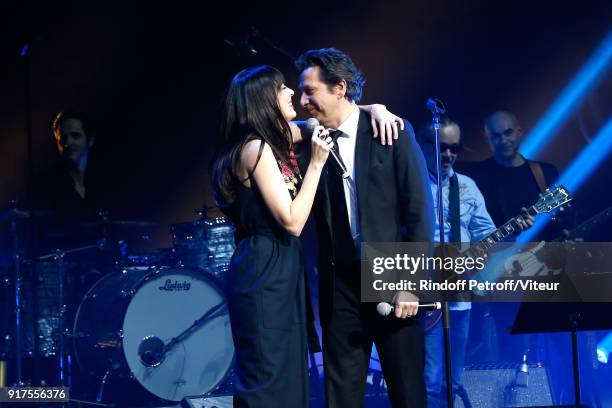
133 328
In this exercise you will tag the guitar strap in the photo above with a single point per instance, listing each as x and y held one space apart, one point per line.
538 174
453 204
455 219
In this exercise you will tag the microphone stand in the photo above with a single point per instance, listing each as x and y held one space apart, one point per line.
255 33
18 304
247 46
437 109
27 89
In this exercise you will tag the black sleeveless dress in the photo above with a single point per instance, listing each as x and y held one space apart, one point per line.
267 304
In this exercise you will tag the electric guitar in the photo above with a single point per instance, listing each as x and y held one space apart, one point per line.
530 264
554 197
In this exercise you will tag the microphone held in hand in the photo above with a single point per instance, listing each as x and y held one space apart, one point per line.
311 124
385 309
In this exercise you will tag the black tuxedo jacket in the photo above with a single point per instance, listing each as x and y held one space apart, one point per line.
394 199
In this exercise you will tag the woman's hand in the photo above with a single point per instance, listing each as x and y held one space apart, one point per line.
321 144
387 122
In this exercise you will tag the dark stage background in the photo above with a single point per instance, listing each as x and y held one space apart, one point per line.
153 76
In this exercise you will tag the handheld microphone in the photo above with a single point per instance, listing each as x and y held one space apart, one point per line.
310 125
385 309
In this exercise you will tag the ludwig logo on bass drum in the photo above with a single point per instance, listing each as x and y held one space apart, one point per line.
171 286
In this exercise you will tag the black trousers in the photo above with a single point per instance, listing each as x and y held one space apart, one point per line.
347 343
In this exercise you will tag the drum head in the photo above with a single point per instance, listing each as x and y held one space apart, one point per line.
164 306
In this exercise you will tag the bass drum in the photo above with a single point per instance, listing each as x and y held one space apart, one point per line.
165 329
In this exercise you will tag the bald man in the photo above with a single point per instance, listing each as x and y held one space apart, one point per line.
508 180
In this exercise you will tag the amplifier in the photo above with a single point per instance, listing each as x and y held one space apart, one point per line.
495 385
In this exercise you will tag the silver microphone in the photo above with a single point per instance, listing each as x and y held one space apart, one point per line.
311 124
385 309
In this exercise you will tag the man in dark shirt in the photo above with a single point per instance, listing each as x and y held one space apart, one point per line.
63 203
65 189
508 180
64 198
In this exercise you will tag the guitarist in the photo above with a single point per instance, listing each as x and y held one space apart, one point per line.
465 220
508 180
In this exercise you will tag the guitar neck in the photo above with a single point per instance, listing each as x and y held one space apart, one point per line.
509 228
587 225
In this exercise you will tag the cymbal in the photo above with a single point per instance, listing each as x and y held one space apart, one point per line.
122 223
13 214
134 223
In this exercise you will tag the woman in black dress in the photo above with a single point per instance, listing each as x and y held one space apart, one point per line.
259 186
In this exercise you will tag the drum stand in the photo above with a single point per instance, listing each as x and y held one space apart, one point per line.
100 395
58 255
17 267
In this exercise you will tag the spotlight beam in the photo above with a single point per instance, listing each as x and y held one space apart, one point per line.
569 99
578 171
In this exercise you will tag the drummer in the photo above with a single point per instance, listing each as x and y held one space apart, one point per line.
64 202
63 205
67 189
66 194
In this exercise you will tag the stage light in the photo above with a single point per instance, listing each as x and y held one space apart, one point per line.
602 356
577 173
588 76
604 348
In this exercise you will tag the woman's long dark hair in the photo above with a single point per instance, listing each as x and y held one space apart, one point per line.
251 111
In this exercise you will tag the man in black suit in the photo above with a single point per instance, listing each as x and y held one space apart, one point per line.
386 192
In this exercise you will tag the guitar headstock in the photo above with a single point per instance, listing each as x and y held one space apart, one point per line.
551 199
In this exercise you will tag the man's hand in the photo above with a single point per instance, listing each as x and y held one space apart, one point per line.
406 304
387 122
528 222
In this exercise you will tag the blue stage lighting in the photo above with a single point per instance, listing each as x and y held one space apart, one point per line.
561 109
604 348
577 173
